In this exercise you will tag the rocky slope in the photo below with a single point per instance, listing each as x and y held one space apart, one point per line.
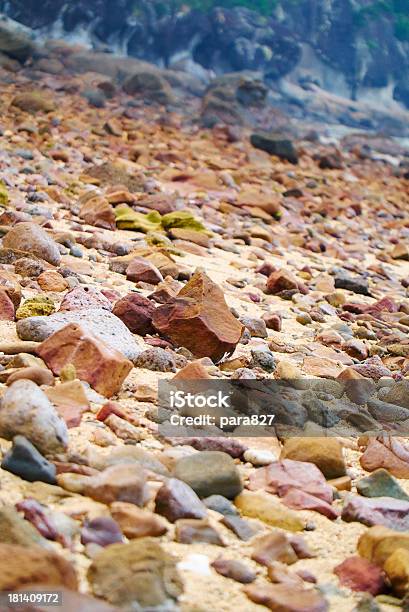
139 248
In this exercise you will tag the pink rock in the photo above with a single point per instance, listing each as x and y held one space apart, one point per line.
102 366
141 270
299 500
286 598
6 307
359 574
136 312
386 511
84 297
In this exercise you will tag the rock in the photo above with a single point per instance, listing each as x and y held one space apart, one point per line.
26 410
372 368
33 102
103 367
232 446
397 569
256 327
15 41
39 375
137 523
387 413
325 453
361 575
97 211
259 457
142 270
176 500
300 500
264 359
136 456
398 394
381 484
199 319
235 570
136 312
386 511
191 531
275 546
150 85
287 598
388 454
6 307
40 305
108 328
156 359
356 284
84 296
16 530
28 267
281 280
357 388
52 281
273 321
138 575
124 483
377 543
264 507
240 527
275 144
70 400
210 473
22 565
24 460
34 239
220 504
195 370
102 530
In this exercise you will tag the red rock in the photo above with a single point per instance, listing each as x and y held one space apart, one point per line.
282 476
300 500
176 500
110 408
136 312
273 321
286 598
141 270
361 575
281 280
82 297
6 307
103 367
199 319
98 211
389 454
386 511
275 546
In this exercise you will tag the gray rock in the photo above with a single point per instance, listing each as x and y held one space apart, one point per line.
157 360
26 410
24 460
388 413
275 144
32 238
102 323
15 40
220 504
256 327
210 473
386 511
399 394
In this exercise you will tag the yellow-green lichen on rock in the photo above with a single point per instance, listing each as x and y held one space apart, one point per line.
4 195
183 219
38 306
129 219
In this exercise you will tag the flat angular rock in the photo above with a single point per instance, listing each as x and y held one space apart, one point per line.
287 598
6 307
137 523
361 575
300 500
377 543
103 367
199 319
176 500
265 507
190 531
136 312
24 460
98 211
26 410
236 570
102 323
125 483
386 511
141 270
34 239
210 473
138 575
381 484
275 144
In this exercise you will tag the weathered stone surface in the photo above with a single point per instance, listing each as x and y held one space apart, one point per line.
39 375
281 280
52 281
104 368
31 237
102 530
287 598
389 454
381 484
33 102
176 500
275 546
397 569
26 410
300 500
275 144
140 573
210 473
98 211
361 575
122 483
137 523
82 297
386 511
377 543
199 319
102 323
190 531
142 270
136 312
6 307
236 570
325 453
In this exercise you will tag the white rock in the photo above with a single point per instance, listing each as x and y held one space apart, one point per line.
259 457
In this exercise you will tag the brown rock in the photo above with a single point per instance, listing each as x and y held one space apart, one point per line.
377 543
137 523
236 570
136 312
190 531
359 574
389 454
199 319
98 211
325 453
103 367
275 546
397 569
21 565
70 400
176 500
286 598
34 239
141 270
124 483
195 370
41 376
281 280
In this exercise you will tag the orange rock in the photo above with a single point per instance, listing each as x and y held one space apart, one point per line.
389 454
99 212
52 281
281 281
194 370
70 400
103 367
199 319
39 375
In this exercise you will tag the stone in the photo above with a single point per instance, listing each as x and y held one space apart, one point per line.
40 305
70 401
82 297
176 500
387 413
264 359
32 238
33 102
142 270
39 375
24 460
361 575
377 543
6 307
357 388
199 319
137 523
396 568
220 504
275 546
101 530
264 507
15 42
133 455
138 575
103 367
386 511
233 569
156 359
300 500
26 410
150 85
275 144
389 454
124 483
398 394
108 328
281 280
52 281
210 473
195 370
16 530
97 211
191 531
232 446
26 565
356 284
287 598
259 457
256 327
27 267
136 312
325 453
240 527
381 484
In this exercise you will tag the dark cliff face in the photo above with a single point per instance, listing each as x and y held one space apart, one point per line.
344 35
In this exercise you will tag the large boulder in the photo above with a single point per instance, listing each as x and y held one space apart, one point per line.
15 41
149 85
32 238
